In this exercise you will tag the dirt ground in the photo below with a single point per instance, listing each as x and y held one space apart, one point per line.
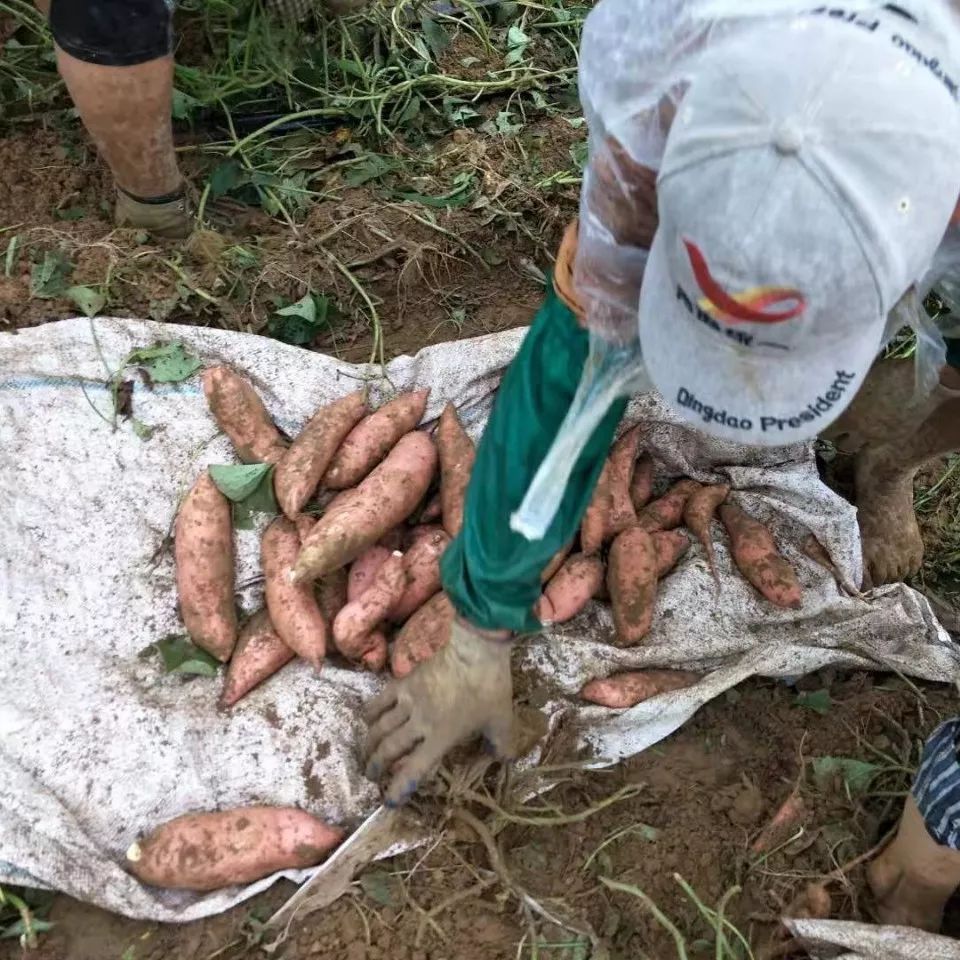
700 798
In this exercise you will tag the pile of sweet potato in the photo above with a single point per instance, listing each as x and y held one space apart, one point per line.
352 564
629 541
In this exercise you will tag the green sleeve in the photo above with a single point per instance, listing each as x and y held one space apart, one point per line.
491 573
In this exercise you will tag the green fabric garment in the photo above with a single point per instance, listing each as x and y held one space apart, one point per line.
492 574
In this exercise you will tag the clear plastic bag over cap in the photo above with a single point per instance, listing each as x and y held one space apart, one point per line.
637 59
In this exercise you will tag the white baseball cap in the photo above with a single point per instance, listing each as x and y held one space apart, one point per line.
808 179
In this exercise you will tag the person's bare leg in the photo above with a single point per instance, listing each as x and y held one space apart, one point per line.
884 474
915 876
126 110
892 435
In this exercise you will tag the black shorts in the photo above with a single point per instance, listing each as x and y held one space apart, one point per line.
116 33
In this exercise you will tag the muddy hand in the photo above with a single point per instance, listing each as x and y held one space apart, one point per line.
464 689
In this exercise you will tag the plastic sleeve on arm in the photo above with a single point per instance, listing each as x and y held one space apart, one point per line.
490 573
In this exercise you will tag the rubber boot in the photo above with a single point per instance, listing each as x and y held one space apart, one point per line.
126 111
914 877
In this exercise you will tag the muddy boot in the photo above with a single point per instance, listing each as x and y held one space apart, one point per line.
126 111
893 433
916 875
168 217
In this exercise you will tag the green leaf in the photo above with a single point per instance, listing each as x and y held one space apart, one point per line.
579 153
48 279
70 213
381 887
165 363
516 37
261 500
459 196
18 929
237 481
129 954
371 167
300 322
226 177
818 701
856 774
437 38
141 429
90 301
305 307
183 105
181 656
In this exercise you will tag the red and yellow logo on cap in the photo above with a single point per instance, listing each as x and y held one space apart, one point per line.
752 305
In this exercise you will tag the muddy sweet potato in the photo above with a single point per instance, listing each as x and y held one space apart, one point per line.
293 607
364 569
757 558
260 653
698 515
382 501
641 484
610 510
356 621
632 582
331 594
432 510
422 635
299 471
241 415
556 562
629 689
374 657
421 574
457 454
666 512
203 556
570 589
670 545
207 851
373 438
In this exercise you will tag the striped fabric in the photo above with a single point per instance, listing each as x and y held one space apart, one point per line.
936 787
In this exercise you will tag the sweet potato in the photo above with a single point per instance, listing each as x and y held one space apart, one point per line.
293 607
670 545
241 415
757 558
331 594
422 531
299 471
666 512
421 574
698 516
432 510
632 581
364 569
641 485
203 556
260 654
456 461
610 510
372 439
593 527
304 524
818 553
623 457
556 562
422 635
207 851
629 689
359 617
382 501
375 656
570 589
